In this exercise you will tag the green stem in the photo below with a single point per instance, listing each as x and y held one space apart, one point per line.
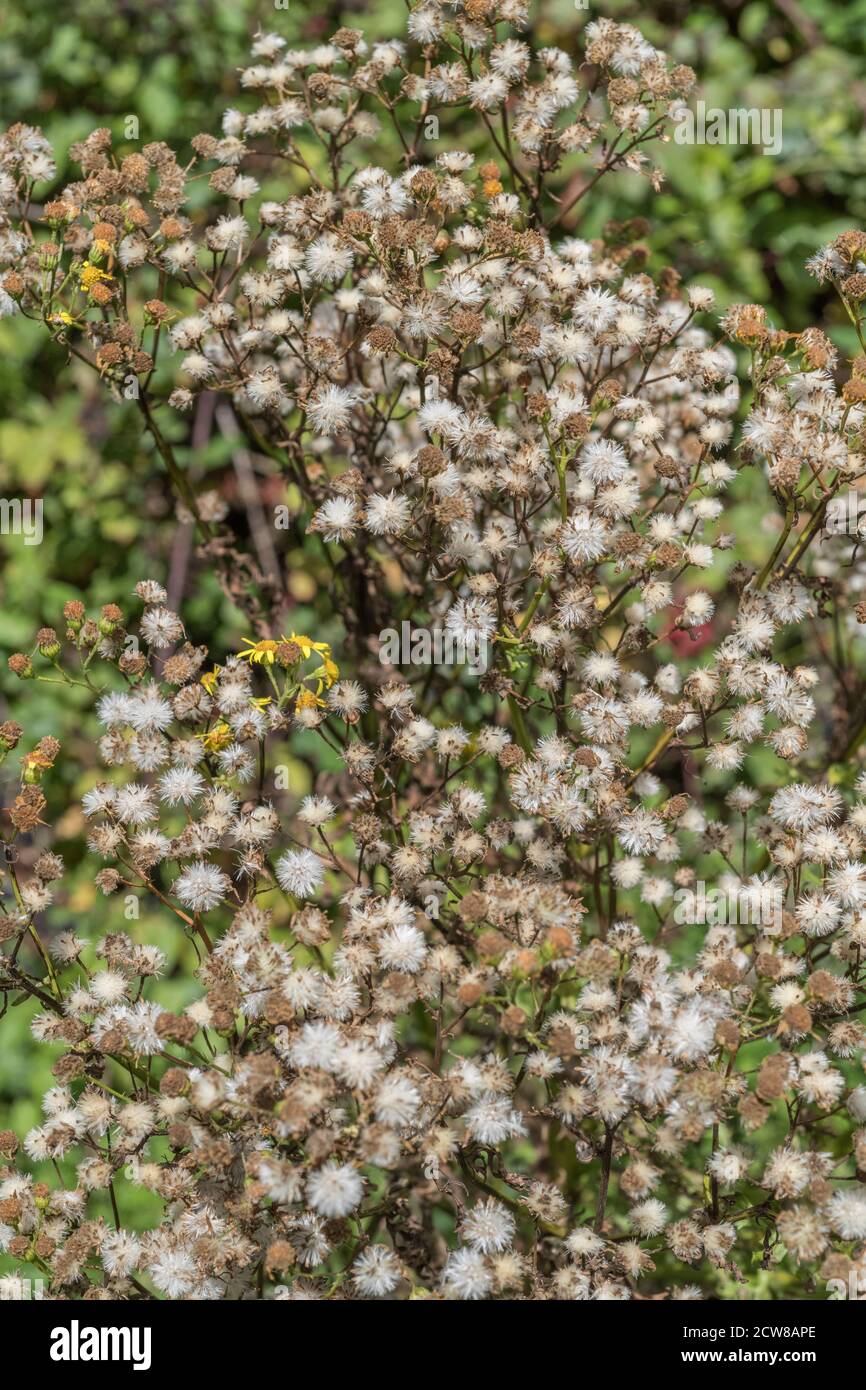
520 730
778 548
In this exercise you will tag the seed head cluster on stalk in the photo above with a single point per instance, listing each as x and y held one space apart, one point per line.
445 1035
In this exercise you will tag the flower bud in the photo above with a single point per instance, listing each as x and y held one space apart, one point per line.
21 666
109 619
73 612
10 733
46 641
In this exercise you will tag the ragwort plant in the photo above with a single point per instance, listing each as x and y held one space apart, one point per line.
449 1037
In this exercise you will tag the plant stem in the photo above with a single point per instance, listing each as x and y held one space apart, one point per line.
520 730
606 1157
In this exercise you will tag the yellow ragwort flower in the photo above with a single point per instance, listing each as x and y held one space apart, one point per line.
264 651
220 736
91 275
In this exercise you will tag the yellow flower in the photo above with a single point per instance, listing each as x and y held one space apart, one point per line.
91 275
264 651
220 736
329 671
35 763
308 646
209 679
